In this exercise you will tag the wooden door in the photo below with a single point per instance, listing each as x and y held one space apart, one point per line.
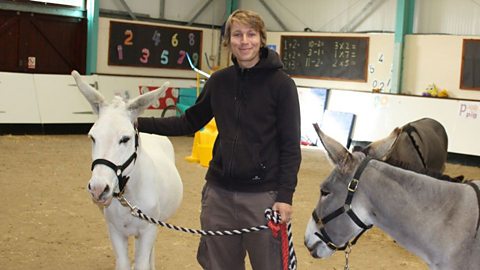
38 43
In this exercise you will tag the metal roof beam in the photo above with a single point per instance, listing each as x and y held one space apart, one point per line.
282 25
127 8
199 12
43 9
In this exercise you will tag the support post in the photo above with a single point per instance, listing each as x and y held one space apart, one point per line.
403 26
93 10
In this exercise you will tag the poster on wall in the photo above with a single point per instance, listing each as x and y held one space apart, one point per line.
469 110
338 125
312 105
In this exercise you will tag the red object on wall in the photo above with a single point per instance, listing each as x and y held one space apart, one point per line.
169 97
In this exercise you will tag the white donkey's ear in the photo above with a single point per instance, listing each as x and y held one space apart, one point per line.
94 97
138 105
337 153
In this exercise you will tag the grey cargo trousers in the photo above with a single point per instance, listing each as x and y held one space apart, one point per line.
226 210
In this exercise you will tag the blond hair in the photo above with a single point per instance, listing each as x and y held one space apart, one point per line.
246 17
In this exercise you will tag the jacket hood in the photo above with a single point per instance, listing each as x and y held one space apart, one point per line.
269 59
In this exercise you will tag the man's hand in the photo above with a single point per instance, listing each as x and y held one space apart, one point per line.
285 211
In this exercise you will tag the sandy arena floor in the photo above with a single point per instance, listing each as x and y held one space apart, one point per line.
49 222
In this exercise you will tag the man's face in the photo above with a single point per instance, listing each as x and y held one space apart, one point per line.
245 44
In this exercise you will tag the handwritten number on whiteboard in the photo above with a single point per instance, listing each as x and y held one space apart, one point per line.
378 85
380 58
129 38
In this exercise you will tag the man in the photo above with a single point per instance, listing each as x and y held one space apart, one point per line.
256 156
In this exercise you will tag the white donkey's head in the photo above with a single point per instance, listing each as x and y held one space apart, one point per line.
114 139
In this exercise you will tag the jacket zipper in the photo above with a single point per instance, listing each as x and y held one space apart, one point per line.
238 98
235 139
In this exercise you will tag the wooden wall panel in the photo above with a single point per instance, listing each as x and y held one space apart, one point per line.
9 41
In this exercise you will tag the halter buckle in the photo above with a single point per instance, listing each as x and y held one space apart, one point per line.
352 186
332 246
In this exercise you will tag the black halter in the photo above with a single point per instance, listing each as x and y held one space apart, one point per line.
118 169
346 208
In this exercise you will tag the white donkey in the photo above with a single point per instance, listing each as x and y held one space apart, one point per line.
141 168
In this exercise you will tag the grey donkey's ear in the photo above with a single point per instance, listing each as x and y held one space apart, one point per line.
140 103
337 153
381 149
94 97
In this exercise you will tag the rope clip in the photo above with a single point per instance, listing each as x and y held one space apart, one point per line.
347 251
126 203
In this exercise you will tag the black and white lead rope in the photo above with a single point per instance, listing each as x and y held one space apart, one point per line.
269 215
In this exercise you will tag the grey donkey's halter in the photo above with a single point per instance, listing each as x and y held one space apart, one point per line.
346 208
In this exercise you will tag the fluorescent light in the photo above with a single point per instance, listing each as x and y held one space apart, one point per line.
75 3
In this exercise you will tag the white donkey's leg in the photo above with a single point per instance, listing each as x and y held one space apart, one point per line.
120 247
144 248
152 258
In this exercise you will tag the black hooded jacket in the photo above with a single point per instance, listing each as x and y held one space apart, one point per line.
257 115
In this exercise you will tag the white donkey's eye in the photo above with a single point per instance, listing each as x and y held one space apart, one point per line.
92 138
124 139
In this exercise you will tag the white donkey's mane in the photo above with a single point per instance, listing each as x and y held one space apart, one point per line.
118 101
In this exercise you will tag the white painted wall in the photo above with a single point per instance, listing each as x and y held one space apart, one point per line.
434 59
38 101
44 102
378 114
459 17
61 102
18 99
